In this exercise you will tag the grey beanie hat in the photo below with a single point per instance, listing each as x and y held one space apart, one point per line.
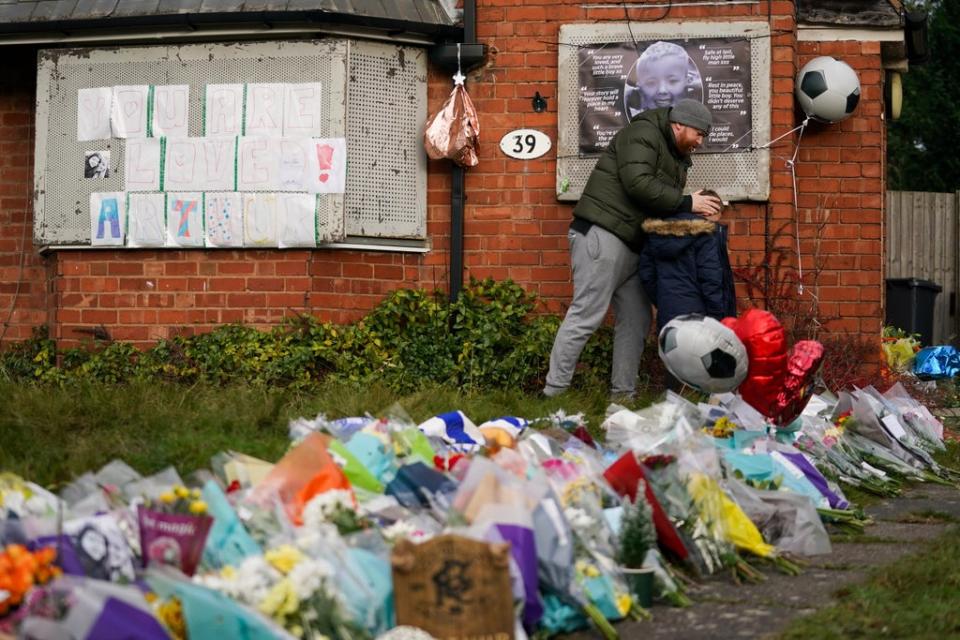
691 113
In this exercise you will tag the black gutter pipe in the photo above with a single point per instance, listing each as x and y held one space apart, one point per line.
458 196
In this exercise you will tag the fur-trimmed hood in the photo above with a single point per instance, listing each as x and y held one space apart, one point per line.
669 237
678 227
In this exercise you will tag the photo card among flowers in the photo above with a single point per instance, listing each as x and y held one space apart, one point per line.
174 529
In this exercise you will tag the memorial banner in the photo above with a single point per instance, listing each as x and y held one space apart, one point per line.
619 81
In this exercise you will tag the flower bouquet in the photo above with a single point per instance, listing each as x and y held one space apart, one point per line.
722 428
294 590
727 522
596 572
174 528
899 348
825 442
681 512
20 570
336 507
22 498
169 611
86 609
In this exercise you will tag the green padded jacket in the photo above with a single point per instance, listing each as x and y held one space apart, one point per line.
641 174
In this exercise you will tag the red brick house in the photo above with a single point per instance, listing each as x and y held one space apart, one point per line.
397 222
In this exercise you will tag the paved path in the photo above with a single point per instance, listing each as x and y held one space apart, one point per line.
723 609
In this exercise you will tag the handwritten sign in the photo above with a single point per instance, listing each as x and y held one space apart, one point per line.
93 113
184 220
525 144
223 222
314 165
171 109
264 110
298 220
141 168
303 114
128 113
454 588
107 219
146 225
260 214
223 110
199 164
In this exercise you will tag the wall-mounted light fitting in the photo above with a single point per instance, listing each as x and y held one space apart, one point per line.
539 103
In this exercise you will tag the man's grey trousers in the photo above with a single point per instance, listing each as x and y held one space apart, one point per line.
604 272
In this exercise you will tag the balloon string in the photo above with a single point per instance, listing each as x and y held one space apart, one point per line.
768 144
792 165
800 128
459 77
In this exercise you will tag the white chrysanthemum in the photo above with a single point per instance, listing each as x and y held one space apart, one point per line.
309 577
14 501
315 540
404 529
254 578
578 518
406 633
325 505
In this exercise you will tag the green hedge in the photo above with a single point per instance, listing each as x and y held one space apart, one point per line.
489 338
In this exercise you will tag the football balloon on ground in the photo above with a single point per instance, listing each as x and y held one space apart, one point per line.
703 354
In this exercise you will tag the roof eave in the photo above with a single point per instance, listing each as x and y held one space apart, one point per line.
203 24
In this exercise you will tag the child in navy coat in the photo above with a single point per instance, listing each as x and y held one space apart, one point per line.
684 268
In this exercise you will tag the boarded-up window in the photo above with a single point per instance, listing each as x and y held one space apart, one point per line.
255 127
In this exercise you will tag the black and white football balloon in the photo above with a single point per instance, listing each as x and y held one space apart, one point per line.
828 89
703 353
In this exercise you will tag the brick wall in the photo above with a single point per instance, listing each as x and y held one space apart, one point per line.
144 295
23 273
841 182
514 225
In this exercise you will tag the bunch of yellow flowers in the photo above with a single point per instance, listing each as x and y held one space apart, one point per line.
722 428
179 499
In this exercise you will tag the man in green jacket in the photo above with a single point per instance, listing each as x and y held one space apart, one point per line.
642 173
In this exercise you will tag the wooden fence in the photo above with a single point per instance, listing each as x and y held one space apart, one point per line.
922 235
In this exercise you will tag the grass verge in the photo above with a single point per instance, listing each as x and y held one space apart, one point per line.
50 434
915 597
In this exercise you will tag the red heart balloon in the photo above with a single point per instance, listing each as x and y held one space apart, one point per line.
766 343
802 366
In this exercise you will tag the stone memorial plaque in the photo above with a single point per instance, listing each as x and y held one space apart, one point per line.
454 588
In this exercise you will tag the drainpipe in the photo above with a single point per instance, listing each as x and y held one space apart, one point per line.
458 196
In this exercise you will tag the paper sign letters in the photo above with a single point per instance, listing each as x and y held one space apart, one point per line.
107 219
250 180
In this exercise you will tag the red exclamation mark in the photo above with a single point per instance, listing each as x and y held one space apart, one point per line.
325 160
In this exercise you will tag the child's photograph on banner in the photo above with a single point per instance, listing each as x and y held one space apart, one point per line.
619 81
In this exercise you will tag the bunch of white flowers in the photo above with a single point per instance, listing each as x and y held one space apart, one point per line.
325 506
310 576
405 529
578 518
248 583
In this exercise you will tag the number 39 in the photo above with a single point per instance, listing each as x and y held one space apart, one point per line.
524 144
529 140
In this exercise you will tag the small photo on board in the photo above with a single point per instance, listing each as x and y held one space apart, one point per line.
96 164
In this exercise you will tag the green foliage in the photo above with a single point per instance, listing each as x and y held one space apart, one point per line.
920 151
637 531
29 359
488 338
